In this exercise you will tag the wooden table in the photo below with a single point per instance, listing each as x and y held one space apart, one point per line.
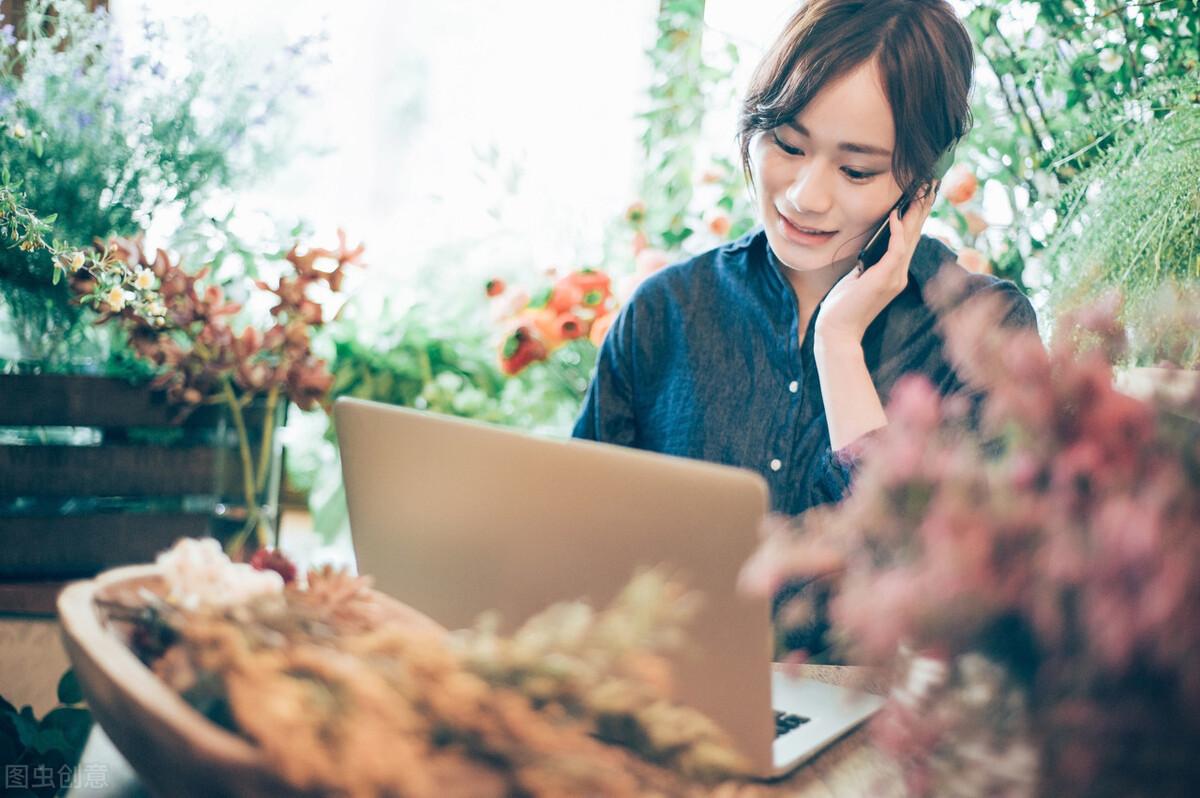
850 767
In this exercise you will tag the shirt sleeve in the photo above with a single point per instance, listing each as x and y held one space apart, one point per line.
608 413
836 469
1020 314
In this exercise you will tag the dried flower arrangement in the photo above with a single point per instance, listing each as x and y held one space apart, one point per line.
342 695
1036 587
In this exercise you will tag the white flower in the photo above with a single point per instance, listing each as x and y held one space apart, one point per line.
1111 60
1047 184
198 574
156 308
508 304
144 280
77 261
19 131
116 297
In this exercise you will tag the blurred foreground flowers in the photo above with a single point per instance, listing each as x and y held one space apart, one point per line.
1036 585
345 691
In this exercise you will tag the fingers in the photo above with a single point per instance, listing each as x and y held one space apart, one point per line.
911 224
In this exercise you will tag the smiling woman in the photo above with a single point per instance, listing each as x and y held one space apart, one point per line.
773 352
824 178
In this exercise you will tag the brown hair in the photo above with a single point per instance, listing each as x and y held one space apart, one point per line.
925 64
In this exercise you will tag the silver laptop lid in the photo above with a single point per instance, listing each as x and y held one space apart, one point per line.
456 517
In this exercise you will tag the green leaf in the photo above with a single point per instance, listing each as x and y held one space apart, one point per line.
26 725
73 723
47 740
68 689
328 508
511 345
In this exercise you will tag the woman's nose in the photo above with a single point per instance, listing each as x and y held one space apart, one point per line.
809 191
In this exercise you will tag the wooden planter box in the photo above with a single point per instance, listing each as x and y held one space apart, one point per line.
94 474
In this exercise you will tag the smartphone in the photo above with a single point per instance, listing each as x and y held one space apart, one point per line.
877 244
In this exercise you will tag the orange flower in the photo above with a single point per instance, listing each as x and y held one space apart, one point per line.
600 328
959 185
568 326
719 223
566 295
974 261
586 288
543 324
520 349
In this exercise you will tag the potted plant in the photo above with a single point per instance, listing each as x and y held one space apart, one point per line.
129 486
102 136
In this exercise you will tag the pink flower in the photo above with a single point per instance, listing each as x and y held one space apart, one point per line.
973 260
650 260
976 224
914 403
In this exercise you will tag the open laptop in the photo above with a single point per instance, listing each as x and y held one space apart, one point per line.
457 517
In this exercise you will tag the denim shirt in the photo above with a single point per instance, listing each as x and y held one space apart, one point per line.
706 361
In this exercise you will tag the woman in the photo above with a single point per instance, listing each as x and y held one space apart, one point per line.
775 352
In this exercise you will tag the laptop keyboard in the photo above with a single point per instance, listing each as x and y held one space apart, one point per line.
786 722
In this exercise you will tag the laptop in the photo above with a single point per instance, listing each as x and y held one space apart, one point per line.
456 517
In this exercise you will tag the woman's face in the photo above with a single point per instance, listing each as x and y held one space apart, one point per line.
824 181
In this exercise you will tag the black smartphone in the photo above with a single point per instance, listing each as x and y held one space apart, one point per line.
877 244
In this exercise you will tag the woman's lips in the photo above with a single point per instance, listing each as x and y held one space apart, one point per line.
803 236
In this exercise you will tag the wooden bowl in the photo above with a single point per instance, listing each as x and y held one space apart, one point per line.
175 750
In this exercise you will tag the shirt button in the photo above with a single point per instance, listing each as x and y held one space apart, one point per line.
793 386
776 464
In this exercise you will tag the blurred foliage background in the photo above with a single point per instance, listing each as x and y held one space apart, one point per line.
1080 175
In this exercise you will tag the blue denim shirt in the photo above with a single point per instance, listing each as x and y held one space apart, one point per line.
705 361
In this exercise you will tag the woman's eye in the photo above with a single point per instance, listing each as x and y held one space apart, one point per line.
790 150
856 175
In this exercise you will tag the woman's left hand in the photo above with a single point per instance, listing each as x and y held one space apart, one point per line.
855 300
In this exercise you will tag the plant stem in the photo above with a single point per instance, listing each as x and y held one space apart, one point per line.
239 423
264 452
1040 136
266 449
